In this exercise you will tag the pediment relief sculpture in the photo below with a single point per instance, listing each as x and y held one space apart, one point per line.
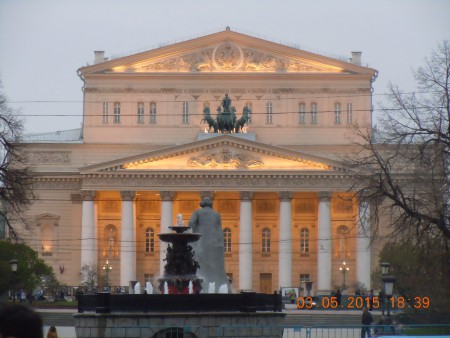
225 159
226 57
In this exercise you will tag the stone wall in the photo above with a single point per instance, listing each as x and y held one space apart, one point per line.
199 324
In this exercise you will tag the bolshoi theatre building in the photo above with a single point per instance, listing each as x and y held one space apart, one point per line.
146 153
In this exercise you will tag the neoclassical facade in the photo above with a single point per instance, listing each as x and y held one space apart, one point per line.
145 155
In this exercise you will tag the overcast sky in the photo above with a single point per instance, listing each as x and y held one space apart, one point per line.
44 42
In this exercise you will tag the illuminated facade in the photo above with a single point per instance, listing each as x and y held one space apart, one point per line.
144 155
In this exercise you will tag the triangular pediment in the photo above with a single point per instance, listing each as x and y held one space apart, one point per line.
223 153
226 51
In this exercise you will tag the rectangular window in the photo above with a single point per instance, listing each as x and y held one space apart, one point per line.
337 113
269 114
349 112
116 112
313 113
140 113
185 112
105 112
304 277
148 277
301 113
152 113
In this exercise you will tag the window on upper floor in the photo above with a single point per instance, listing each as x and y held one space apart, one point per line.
301 113
149 240
343 235
105 112
152 112
140 112
265 248
349 112
304 242
116 112
269 112
337 113
313 113
227 240
185 113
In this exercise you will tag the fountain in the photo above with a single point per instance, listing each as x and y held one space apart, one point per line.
181 267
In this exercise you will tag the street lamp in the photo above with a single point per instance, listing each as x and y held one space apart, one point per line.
13 263
388 284
107 268
344 269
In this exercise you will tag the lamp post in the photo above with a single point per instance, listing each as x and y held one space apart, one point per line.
13 264
344 269
388 284
107 268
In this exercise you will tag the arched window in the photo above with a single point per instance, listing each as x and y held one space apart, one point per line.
152 112
105 112
149 240
265 240
313 113
301 113
337 113
349 112
185 112
227 240
269 115
116 112
140 112
342 234
304 242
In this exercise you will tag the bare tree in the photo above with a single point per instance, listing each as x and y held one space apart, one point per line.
15 175
404 165
403 172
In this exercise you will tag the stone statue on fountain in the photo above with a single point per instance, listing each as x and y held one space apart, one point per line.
209 249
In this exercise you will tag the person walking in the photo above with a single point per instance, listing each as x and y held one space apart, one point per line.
338 298
382 300
371 300
366 320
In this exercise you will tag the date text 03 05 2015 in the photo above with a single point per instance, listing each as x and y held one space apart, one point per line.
358 302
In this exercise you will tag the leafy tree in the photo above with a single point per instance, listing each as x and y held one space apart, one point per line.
419 271
89 276
31 270
15 178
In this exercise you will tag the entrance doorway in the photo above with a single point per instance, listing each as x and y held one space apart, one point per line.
265 283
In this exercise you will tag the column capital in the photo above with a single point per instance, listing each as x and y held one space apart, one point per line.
285 196
167 195
88 195
204 194
324 195
127 195
246 195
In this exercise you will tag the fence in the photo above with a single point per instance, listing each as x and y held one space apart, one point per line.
437 331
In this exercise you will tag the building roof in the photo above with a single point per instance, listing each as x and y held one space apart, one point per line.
60 136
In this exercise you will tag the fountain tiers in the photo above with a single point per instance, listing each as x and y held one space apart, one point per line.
181 267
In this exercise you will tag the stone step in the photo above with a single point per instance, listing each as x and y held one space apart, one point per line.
319 319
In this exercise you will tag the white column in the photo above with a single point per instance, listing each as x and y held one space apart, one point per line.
324 244
88 233
245 242
285 246
166 222
363 261
128 240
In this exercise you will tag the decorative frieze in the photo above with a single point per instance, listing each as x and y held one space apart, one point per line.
57 183
49 157
225 159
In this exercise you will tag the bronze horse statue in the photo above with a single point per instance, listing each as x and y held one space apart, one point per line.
208 119
225 120
239 124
